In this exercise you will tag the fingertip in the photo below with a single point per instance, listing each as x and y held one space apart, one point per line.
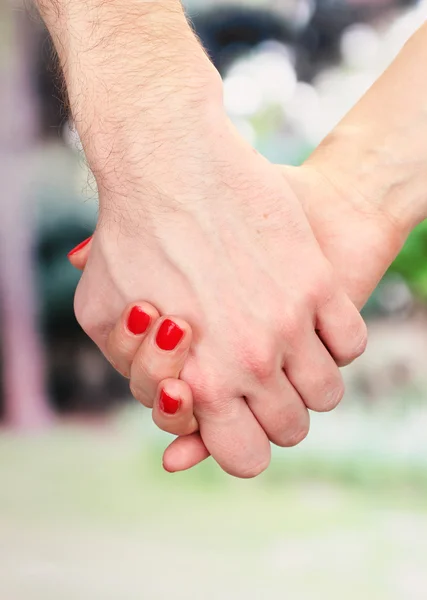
139 317
169 405
128 334
173 333
173 408
168 460
177 389
79 255
166 467
184 453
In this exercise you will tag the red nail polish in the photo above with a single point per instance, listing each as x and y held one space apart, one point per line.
138 321
168 405
79 247
169 335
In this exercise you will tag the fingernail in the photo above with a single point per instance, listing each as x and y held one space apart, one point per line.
138 321
169 335
168 405
79 247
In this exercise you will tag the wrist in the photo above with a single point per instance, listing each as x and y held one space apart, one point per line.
377 154
148 129
382 176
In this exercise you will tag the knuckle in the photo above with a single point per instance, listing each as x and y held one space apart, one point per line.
211 393
321 288
148 368
89 317
145 370
259 360
292 324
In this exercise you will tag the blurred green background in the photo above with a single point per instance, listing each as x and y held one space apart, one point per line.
86 510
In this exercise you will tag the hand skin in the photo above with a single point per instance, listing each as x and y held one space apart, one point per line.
363 191
360 246
375 161
173 178
241 340
192 220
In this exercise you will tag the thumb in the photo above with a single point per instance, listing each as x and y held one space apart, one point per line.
79 255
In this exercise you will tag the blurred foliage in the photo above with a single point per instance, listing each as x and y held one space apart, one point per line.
411 263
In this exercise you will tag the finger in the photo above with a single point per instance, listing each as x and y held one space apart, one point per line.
342 329
313 372
185 453
128 334
161 356
79 255
233 436
229 430
173 408
281 412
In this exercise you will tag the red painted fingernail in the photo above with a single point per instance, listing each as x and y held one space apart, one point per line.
79 247
138 321
169 335
168 405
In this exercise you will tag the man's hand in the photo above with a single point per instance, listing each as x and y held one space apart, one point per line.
363 191
192 220
231 252
360 245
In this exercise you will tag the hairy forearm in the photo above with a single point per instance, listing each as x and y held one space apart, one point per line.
111 37
133 70
379 150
